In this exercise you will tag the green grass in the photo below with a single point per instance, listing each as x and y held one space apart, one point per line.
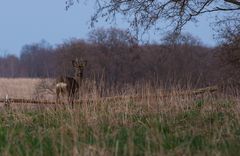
205 126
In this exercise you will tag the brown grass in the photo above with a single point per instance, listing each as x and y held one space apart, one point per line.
208 124
27 88
18 88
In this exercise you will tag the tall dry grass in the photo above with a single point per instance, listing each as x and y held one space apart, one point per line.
208 124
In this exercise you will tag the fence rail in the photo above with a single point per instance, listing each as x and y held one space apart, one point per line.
7 101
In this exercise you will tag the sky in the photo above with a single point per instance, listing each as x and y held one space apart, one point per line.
31 21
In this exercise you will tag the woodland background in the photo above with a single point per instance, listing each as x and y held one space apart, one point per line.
116 57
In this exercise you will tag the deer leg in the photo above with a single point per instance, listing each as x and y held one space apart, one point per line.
71 100
68 100
72 104
57 98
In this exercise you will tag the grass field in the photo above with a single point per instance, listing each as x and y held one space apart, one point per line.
18 88
203 125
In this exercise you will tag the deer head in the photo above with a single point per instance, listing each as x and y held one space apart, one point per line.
79 65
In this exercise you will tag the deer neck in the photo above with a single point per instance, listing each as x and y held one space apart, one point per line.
79 77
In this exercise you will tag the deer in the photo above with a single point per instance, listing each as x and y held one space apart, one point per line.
69 86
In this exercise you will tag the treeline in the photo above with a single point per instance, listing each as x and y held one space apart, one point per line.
114 56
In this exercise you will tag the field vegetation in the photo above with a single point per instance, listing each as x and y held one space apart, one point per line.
108 121
207 124
163 118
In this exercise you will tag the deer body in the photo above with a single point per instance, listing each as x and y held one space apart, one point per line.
68 85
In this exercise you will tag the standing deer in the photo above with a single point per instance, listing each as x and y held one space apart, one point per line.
69 85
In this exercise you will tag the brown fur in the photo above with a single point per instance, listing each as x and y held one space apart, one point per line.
70 85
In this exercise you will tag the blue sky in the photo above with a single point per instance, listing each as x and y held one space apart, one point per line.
30 21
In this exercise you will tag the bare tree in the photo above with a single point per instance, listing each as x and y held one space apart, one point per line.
112 37
181 39
229 54
36 59
148 13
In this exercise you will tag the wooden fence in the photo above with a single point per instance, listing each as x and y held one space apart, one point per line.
7 101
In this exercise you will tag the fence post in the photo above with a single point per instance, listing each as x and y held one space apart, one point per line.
7 102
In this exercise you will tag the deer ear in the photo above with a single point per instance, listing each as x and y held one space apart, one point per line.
74 63
85 62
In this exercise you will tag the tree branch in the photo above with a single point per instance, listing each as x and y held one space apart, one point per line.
236 2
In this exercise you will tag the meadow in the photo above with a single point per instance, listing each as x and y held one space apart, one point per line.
207 124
